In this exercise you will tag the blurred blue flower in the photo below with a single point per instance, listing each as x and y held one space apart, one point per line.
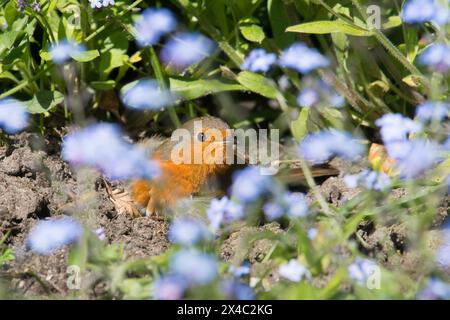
249 184
223 211
361 269
414 157
293 271
443 252
196 267
296 204
312 233
308 97
240 270
236 290
436 289
96 3
317 92
433 111
100 232
101 3
446 144
273 210
153 24
369 179
188 231
50 235
13 115
102 146
436 57
302 58
259 60
291 203
420 11
108 3
321 146
64 50
169 287
147 94
185 49
395 127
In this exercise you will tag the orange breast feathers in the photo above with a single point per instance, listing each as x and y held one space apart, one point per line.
177 181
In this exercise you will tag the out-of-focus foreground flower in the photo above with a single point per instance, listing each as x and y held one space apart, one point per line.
153 24
50 235
185 49
102 146
13 115
147 94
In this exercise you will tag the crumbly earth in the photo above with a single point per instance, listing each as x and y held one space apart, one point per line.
36 184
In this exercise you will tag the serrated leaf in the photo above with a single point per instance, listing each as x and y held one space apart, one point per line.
85 56
327 27
258 84
253 33
44 101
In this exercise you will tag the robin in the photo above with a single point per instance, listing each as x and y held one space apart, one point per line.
210 140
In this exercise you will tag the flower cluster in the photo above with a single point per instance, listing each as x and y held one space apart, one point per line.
185 49
413 156
293 271
13 115
101 3
303 59
259 60
50 235
369 179
102 146
436 57
321 146
224 211
293 204
153 24
317 93
182 50
147 94
298 57
420 11
188 231
64 50
361 269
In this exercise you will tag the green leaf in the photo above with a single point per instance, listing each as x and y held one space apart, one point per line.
193 89
7 40
279 21
393 22
112 59
11 12
44 101
299 127
85 56
252 32
103 85
326 27
258 84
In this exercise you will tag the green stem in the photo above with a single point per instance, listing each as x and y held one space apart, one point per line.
163 82
388 45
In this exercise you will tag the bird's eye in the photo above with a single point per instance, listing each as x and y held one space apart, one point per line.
201 137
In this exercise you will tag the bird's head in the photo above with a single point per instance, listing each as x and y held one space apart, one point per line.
203 141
